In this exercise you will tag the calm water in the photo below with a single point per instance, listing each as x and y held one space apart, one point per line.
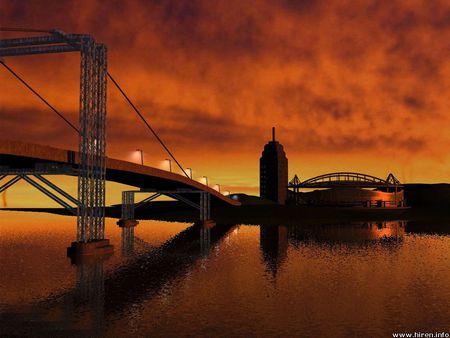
173 279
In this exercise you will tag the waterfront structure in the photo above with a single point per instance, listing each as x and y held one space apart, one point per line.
273 172
31 163
348 189
92 121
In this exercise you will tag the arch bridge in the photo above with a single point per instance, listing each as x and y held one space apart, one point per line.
345 179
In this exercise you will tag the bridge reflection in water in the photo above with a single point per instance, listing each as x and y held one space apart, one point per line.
148 270
97 294
147 273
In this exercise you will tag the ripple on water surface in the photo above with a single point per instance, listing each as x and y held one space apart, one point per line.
174 279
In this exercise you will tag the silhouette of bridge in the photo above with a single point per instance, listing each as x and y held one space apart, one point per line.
30 162
22 159
346 179
348 188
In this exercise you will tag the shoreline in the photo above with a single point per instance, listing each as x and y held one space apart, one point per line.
269 213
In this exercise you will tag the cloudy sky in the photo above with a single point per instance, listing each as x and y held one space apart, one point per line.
350 85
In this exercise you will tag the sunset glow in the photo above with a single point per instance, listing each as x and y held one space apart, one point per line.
212 79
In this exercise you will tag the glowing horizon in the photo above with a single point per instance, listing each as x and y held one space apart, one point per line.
368 97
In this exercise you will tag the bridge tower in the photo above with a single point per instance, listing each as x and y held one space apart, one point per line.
273 172
92 120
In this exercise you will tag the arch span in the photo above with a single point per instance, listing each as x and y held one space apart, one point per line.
346 179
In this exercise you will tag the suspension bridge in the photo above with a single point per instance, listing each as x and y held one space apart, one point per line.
32 162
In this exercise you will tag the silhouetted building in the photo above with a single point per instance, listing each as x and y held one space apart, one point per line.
273 172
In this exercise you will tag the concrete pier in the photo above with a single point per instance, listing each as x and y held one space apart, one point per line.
127 223
80 251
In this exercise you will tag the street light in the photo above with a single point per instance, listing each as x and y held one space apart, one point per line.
226 193
189 172
170 164
206 180
142 155
217 187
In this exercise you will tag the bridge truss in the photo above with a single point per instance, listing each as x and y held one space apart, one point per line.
36 178
345 179
129 205
92 120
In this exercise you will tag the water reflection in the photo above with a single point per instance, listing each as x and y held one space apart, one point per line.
359 234
274 244
89 293
149 272
275 239
205 241
162 289
127 241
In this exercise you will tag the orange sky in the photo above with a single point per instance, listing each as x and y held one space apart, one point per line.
350 86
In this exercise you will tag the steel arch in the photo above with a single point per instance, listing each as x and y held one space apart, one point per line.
350 179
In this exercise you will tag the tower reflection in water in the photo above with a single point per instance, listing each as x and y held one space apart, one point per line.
274 245
146 273
128 240
90 292
275 239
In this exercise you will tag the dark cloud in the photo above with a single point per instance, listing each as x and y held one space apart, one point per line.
38 126
186 129
335 76
357 143
413 102
296 99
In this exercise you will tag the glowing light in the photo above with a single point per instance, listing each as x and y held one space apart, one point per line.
204 180
189 172
135 156
5 203
168 165
216 187
140 153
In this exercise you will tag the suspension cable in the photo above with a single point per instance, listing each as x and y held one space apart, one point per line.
147 124
8 29
39 96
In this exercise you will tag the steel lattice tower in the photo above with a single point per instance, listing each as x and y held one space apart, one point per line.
92 119
92 142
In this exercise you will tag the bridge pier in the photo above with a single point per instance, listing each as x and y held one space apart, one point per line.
205 210
127 218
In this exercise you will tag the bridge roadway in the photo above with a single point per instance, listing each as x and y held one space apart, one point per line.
22 155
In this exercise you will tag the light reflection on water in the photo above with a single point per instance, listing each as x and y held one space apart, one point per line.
174 279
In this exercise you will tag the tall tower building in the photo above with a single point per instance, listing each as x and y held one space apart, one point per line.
273 172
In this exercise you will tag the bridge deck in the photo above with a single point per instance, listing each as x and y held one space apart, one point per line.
18 154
